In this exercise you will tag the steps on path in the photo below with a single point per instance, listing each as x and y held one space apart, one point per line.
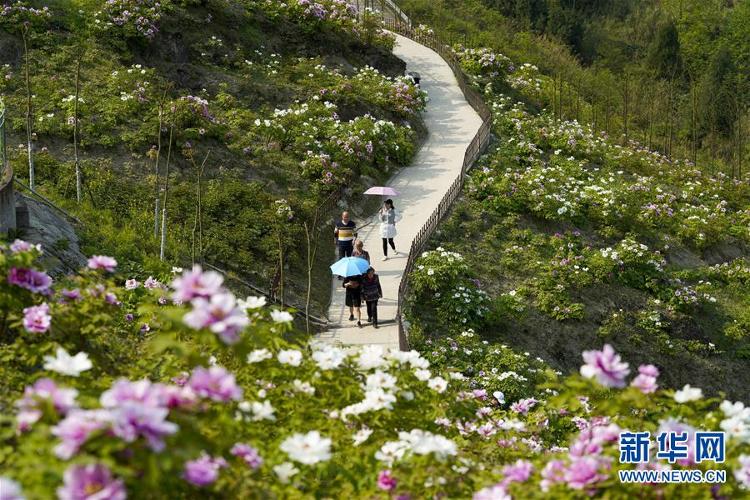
451 124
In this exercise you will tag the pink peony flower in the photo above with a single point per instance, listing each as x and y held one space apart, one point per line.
63 400
523 406
76 429
214 383
606 366
742 475
36 319
132 420
584 472
90 482
517 472
219 314
102 262
248 454
204 470
645 381
496 492
196 283
34 281
553 473
19 246
386 481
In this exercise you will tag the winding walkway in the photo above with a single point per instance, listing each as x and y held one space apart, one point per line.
451 124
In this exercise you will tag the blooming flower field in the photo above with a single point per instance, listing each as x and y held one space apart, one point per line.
217 398
595 240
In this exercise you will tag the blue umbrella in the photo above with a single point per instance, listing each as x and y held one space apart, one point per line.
350 266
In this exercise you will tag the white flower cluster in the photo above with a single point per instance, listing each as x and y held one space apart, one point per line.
416 442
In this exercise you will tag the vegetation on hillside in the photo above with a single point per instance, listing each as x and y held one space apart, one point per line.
671 74
566 239
216 143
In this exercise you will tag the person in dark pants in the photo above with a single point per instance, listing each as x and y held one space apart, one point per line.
371 292
353 285
344 234
388 219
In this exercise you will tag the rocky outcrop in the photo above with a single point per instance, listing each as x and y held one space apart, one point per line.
55 232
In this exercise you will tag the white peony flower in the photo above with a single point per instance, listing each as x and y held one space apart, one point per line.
252 303
285 471
304 387
281 316
329 358
291 357
259 355
262 411
361 436
66 364
371 356
381 380
688 393
438 384
308 449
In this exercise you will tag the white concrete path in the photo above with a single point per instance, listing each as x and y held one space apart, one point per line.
451 125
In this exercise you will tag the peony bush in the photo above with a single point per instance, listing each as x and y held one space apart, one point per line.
223 397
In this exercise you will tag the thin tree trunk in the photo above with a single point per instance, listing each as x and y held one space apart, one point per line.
79 180
29 120
198 222
163 245
157 197
693 119
281 267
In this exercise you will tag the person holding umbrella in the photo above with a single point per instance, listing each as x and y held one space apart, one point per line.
352 269
388 219
371 292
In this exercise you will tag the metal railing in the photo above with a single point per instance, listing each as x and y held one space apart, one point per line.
473 151
3 147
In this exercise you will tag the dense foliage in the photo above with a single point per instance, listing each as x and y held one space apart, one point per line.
199 393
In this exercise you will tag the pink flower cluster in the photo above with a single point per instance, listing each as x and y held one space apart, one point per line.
606 366
213 307
645 381
586 465
36 319
33 400
30 279
92 482
204 470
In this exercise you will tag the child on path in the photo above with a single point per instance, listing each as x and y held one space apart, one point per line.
371 291
353 285
359 251
388 219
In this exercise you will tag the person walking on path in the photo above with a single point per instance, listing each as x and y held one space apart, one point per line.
388 219
353 285
371 292
359 251
344 234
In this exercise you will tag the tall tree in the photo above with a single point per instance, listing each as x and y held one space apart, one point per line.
664 52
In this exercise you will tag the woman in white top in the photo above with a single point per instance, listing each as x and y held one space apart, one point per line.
388 219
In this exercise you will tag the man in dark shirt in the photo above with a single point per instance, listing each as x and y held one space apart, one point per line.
344 234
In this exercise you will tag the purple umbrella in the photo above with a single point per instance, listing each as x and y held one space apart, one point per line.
382 190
